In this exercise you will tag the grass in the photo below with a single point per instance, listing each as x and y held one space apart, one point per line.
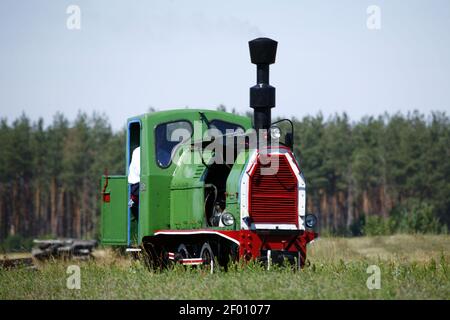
412 267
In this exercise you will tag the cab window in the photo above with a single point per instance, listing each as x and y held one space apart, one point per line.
223 126
168 136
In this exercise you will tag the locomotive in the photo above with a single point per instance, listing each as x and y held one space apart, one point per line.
214 186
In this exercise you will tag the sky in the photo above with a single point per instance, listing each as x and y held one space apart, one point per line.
131 55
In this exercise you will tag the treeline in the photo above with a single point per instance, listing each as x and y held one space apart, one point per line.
379 175
50 176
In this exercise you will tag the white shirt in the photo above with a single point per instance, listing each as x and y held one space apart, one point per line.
134 171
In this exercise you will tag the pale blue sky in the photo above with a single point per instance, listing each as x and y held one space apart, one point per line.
130 55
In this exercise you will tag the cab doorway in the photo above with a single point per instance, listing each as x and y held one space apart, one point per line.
133 174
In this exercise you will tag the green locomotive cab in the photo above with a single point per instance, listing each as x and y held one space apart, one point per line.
172 193
212 185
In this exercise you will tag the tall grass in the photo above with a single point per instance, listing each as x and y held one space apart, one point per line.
412 267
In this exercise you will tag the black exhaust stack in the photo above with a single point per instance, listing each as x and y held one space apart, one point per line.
262 95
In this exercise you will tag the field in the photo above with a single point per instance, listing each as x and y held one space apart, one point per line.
412 267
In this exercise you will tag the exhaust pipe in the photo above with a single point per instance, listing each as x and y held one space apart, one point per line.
262 95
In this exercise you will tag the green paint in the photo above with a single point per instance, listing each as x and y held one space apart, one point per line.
233 190
114 213
172 197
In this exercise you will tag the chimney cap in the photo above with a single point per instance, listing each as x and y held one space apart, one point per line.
263 50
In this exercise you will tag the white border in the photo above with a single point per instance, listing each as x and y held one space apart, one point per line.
271 226
181 232
244 189
245 192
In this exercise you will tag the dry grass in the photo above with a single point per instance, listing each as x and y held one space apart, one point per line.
400 248
17 255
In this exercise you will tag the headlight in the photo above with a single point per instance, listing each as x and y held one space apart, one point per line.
275 133
227 219
310 221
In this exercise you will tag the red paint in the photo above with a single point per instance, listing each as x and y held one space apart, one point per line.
274 198
106 197
252 242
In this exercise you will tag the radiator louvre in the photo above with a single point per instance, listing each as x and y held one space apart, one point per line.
274 198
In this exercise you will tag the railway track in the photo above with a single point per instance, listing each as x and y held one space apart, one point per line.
46 249
14 261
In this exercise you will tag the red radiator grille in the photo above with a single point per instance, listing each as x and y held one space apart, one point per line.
274 198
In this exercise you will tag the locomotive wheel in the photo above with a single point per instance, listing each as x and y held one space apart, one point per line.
208 257
182 250
151 257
